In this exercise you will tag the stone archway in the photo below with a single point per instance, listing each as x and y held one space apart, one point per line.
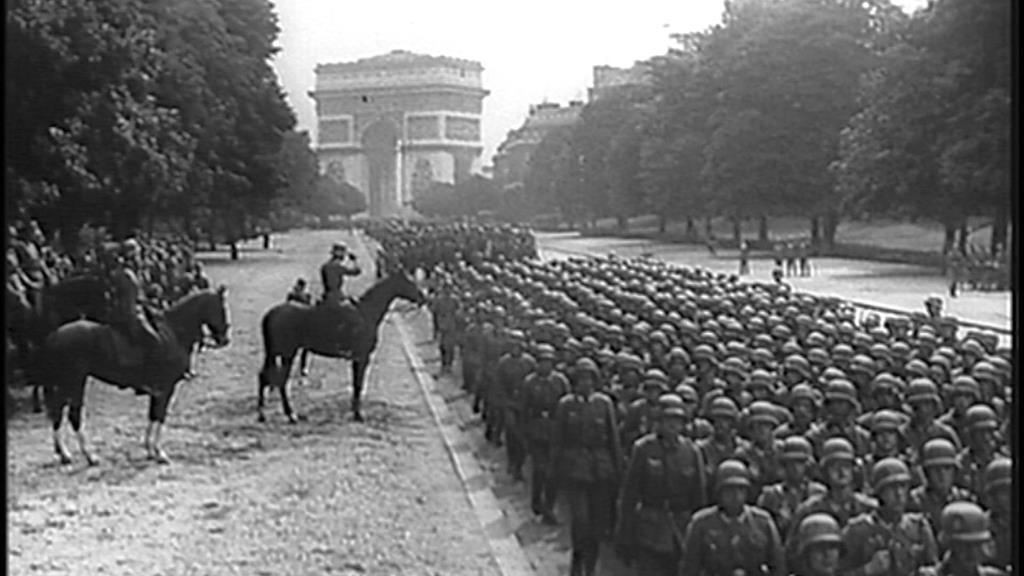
380 148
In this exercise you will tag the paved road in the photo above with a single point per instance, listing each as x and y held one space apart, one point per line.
324 496
898 286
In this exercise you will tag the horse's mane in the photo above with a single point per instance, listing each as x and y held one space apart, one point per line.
372 291
188 301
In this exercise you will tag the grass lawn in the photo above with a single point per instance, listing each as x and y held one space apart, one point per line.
921 236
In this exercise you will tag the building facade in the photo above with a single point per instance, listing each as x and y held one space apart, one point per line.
391 125
512 158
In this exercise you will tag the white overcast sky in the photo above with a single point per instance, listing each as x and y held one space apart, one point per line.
531 50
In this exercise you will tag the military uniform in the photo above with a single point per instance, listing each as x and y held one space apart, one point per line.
782 499
588 459
505 398
541 394
445 309
663 487
909 540
749 545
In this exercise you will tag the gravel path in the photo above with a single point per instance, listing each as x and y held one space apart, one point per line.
324 496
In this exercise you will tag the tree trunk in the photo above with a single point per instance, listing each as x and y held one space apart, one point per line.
266 241
762 229
999 228
815 231
689 227
949 239
623 223
234 250
831 225
212 242
964 234
707 226
662 223
737 231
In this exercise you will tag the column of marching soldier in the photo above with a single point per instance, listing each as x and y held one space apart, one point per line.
704 426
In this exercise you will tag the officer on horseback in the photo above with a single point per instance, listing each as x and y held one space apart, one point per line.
333 272
127 292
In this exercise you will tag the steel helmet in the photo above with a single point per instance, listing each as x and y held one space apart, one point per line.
832 373
631 361
804 392
818 356
791 347
836 450
677 354
886 421
659 337
938 452
703 352
732 472
798 364
816 340
797 448
964 522
586 365
998 473
985 371
863 363
981 417
760 378
688 393
885 382
889 471
671 405
972 347
735 365
842 351
818 528
545 352
654 376
762 411
966 385
841 390
916 367
723 407
922 390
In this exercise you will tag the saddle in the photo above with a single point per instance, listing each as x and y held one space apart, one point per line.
129 354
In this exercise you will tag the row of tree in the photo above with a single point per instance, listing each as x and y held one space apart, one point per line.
123 113
817 108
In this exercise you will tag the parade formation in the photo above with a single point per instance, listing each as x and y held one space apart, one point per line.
702 425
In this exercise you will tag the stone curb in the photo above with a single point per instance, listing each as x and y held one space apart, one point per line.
505 547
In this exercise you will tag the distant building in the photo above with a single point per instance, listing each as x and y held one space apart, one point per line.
608 78
392 124
511 163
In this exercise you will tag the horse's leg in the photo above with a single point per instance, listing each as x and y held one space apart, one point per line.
264 380
304 363
55 402
286 371
157 414
37 404
358 372
148 442
75 416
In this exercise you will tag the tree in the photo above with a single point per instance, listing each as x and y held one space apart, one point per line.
785 74
334 198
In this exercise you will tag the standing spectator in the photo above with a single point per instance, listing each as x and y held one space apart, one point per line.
790 259
805 262
744 258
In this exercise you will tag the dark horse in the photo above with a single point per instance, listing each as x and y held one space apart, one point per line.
81 296
289 327
86 348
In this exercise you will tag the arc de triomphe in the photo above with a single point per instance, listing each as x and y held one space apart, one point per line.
392 124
